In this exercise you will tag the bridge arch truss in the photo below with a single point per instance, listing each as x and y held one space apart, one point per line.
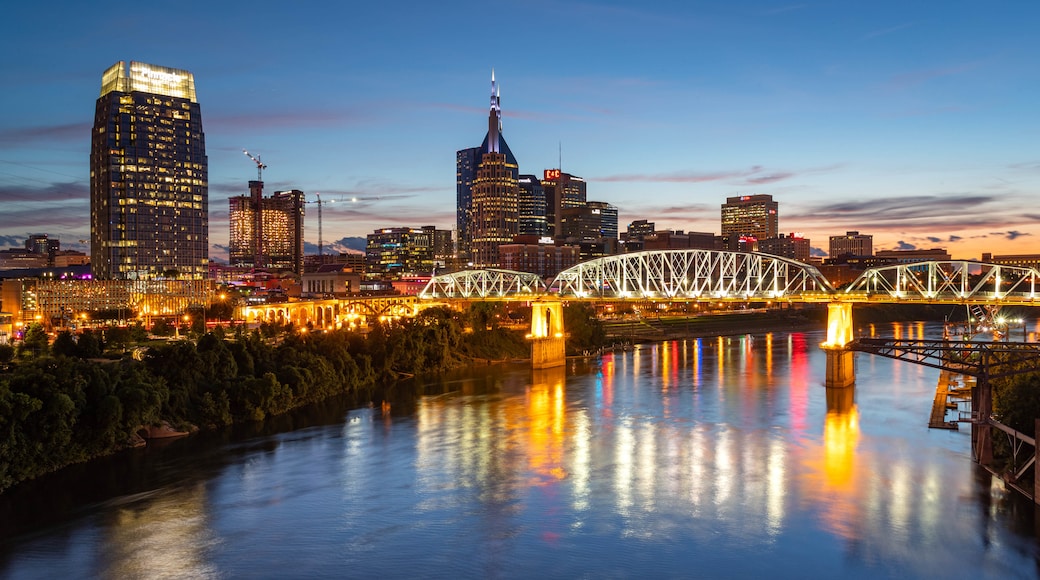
489 283
691 274
949 280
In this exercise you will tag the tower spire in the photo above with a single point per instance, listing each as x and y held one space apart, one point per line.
494 116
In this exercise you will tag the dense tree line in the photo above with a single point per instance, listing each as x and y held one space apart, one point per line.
61 403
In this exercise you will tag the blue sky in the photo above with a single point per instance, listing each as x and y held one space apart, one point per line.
914 121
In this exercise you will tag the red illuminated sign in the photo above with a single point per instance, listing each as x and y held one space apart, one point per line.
551 174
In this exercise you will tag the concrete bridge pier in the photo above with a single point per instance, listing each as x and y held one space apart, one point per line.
841 362
547 336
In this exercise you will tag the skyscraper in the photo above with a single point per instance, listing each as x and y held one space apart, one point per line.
753 216
532 207
498 215
562 191
852 244
267 232
149 190
494 211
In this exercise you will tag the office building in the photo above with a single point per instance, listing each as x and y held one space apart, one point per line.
562 191
148 176
494 209
539 256
750 216
794 246
267 232
404 251
851 244
532 207
500 178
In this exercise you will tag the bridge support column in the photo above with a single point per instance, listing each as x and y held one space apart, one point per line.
548 347
841 363
841 368
981 430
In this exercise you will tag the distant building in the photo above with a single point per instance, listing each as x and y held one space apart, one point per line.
852 244
330 281
1019 260
750 216
487 191
267 232
562 191
794 246
403 251
532 207
538 256
909 256
149 192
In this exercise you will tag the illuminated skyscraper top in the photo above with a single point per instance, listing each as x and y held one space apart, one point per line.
494 117
149 190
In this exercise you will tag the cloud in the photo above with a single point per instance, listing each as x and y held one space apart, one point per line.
680 177
886 31
19 136
817 252
12 242
918 212
934 239
771 178
1010 235
901 245
348 245
914 78
955 239
304 117
51 192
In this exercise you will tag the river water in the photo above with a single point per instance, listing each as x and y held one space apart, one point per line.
717 458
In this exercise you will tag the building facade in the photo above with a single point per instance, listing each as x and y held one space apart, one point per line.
404 251
794 246
542 257
851 244
562 191
267 232
500 177
750 216
148 176
532 207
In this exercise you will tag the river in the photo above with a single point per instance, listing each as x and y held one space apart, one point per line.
714 457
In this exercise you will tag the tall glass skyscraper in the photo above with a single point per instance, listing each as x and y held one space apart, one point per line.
492 227
149 190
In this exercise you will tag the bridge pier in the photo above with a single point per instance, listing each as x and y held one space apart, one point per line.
981 430
548 348
841 362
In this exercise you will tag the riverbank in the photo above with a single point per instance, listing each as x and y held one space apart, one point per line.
729 323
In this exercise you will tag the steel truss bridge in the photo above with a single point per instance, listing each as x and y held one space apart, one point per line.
714 275
985 361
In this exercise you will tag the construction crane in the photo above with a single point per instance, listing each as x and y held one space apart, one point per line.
320 203
260 167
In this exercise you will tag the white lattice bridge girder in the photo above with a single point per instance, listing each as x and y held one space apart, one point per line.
948 281
691 274
479 284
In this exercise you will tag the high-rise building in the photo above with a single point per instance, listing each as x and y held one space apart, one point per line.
267 232
467 165
562 191
752 216
495 207
404 251
851 244
532 207
149 190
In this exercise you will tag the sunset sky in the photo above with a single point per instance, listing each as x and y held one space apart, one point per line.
916 122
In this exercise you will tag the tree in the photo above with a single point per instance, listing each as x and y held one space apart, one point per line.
6 354
65 345
34 343
162 327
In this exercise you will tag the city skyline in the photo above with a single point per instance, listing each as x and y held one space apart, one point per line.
907 123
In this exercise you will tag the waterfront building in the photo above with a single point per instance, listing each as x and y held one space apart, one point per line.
331 281
267 232
852 243
532 207
750 216
148 176
562 191
794 246
498 198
